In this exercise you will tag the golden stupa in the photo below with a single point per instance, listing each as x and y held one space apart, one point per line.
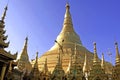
71 39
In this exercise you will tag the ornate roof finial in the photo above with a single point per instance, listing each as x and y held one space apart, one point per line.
95 50
24 51
103 62
45 70
36 61
67 5
35 74
117 54
4 13
95 53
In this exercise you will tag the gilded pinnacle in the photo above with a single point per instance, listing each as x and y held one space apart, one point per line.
95 54
67 6
36 61
67 33
117 54
103 62
95 50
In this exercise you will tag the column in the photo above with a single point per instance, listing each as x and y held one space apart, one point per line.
3 71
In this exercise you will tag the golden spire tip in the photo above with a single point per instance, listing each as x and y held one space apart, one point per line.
94 43
67 6
116 43
26 38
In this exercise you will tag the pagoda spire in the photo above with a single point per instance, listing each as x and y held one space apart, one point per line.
103 62
67 24
35 73
36 61
85 66
96 72
95 59
24 51
116 68
58 68
45 67
75 72
23 61
67 33
117 54
4 13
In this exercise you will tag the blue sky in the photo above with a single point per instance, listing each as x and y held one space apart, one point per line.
41 21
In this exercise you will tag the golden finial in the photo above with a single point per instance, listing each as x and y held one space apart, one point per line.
103 62
95 50
95 53
67 5
117 54
36 61
45 66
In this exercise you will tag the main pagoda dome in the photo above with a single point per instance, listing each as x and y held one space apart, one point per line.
71 39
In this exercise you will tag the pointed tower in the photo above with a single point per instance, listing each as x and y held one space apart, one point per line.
45 70
23 61
97 73
70 37
35 73
117 62
103 62
45 73
58 72
95 59
75 72
36 62
67 33
116 69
